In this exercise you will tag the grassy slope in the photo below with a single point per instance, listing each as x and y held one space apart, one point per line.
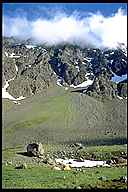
61 116
42 176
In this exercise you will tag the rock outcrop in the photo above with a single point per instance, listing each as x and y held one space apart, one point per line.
38 67
35 149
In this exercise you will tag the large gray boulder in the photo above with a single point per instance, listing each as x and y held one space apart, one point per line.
35 149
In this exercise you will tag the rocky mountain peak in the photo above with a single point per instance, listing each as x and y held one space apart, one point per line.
37 67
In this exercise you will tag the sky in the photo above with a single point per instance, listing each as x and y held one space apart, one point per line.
86 24
117 78
14 9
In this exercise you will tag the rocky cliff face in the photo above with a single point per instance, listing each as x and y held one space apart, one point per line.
34 68
122 88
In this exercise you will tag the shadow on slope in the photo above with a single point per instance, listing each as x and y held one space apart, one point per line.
104 141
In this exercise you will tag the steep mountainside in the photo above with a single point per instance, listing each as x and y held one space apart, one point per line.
69 94
62 116
37 67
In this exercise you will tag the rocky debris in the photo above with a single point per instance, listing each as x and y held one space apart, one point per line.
79 187
122 88
22 166
49 161
67 168
35 149
122 179
109 162
57 168
103 178
9 163
119 160
79 145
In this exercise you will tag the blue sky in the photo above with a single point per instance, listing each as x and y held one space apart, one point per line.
35 10
119 78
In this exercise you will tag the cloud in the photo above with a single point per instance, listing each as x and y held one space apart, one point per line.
92 30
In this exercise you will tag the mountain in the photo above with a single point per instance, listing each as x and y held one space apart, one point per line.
66 94
37 67
61 116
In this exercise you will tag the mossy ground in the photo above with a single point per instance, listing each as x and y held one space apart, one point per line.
40 175
57 119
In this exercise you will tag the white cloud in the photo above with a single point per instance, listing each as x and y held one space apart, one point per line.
94 29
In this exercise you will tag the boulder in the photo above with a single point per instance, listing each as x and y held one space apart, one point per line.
109 162
57 168
119 160
67 168
22 166
123 179
103 178
35 149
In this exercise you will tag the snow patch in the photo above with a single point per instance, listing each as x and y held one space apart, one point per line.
111 53
59 82
85 163
111 61
123 60
88 74
84 84
14 56
6 53
88 59
6 95
119 97
66 88
30 46
78 68
16 68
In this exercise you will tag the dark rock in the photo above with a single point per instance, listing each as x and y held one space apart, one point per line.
119 160
39 68
22 166
103 178
109 162
123 179
122 88
35 149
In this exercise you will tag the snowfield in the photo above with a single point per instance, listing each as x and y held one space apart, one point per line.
59 81
14 56
117 78
16 68
84 163
84 84
6 95
119 97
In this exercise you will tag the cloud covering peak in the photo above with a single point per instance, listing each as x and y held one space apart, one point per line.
92 30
